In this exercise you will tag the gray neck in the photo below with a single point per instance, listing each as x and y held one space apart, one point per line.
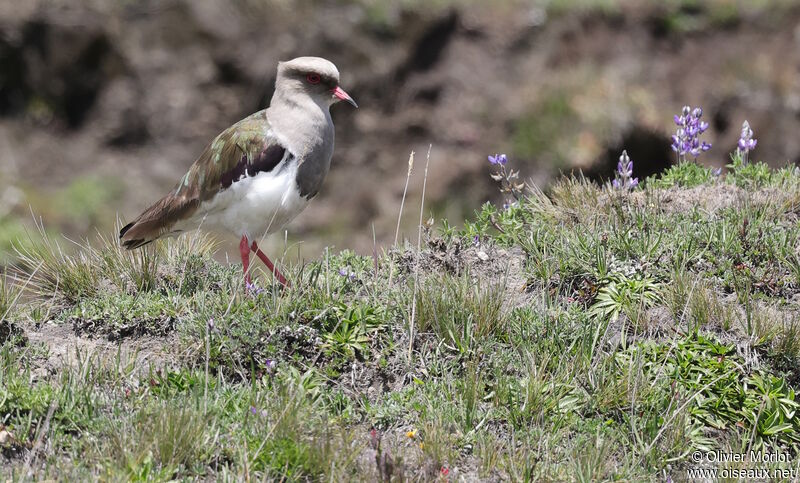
305 125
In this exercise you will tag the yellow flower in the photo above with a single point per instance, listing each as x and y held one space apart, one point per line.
412 434
422 446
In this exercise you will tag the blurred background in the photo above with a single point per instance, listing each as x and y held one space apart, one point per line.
104 104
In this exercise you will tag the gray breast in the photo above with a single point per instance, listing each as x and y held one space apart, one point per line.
315 165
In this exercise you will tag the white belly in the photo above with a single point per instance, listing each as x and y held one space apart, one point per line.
252 206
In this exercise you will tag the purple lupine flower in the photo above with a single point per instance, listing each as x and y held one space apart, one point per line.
253 288
746 142
500 159
253 410
271 365
625 165
476 240
508 179
686 139
716 172
623 176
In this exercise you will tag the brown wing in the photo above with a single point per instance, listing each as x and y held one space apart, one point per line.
244 149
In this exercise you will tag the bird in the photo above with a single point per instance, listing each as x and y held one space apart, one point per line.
258 174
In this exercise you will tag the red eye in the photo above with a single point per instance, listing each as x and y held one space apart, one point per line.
313 78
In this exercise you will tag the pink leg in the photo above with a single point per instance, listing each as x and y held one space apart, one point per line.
244 251
269 265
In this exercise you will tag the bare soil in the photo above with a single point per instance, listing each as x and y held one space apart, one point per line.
63 347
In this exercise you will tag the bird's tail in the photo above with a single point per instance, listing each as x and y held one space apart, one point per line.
130 241
157 221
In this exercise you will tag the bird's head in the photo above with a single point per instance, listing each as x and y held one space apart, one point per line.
314 76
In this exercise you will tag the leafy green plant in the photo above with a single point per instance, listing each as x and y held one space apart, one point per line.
750 175
170 383
355 328
19 400
622 294
349 339
686 174
723 396
308 384
771 410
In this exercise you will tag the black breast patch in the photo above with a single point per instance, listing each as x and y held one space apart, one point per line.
234 174
265 161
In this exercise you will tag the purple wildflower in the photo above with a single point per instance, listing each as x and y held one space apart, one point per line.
271 365
253 288
500 159
746 142
686 139
507 178
253 410
476 240
716 172
623 176
211 324
345 273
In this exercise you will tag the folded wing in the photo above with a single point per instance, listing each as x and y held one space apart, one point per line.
245 149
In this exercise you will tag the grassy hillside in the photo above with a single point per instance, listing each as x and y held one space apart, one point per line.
590 333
